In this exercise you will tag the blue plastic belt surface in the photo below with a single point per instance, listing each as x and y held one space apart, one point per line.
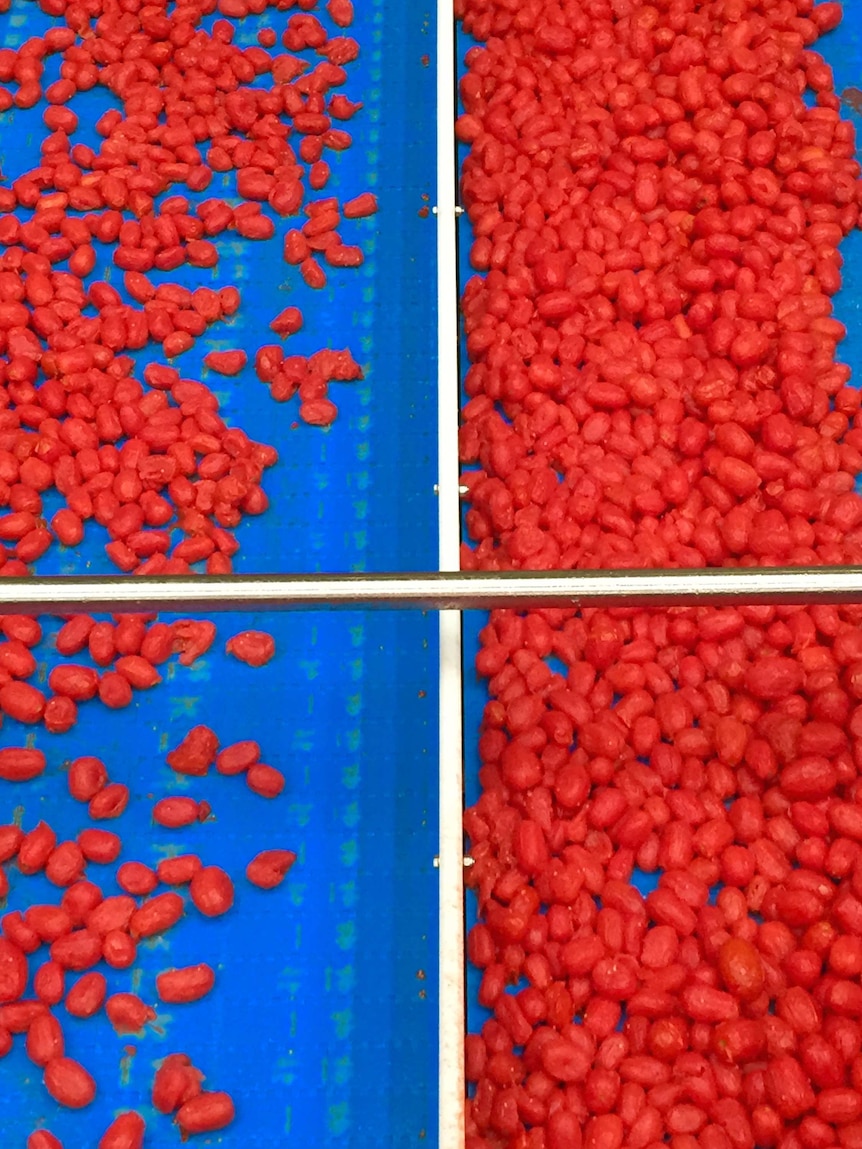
322 1024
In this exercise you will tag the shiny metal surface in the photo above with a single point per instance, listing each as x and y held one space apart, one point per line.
433 591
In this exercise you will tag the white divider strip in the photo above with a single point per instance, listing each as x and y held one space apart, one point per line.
451 769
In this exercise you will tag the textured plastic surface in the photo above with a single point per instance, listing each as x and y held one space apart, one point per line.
323 1020
843 50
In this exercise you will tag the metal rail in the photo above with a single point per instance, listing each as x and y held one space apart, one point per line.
432 591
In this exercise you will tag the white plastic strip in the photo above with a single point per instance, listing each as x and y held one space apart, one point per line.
451 770
451 876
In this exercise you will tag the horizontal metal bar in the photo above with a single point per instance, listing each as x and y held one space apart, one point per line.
432 591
